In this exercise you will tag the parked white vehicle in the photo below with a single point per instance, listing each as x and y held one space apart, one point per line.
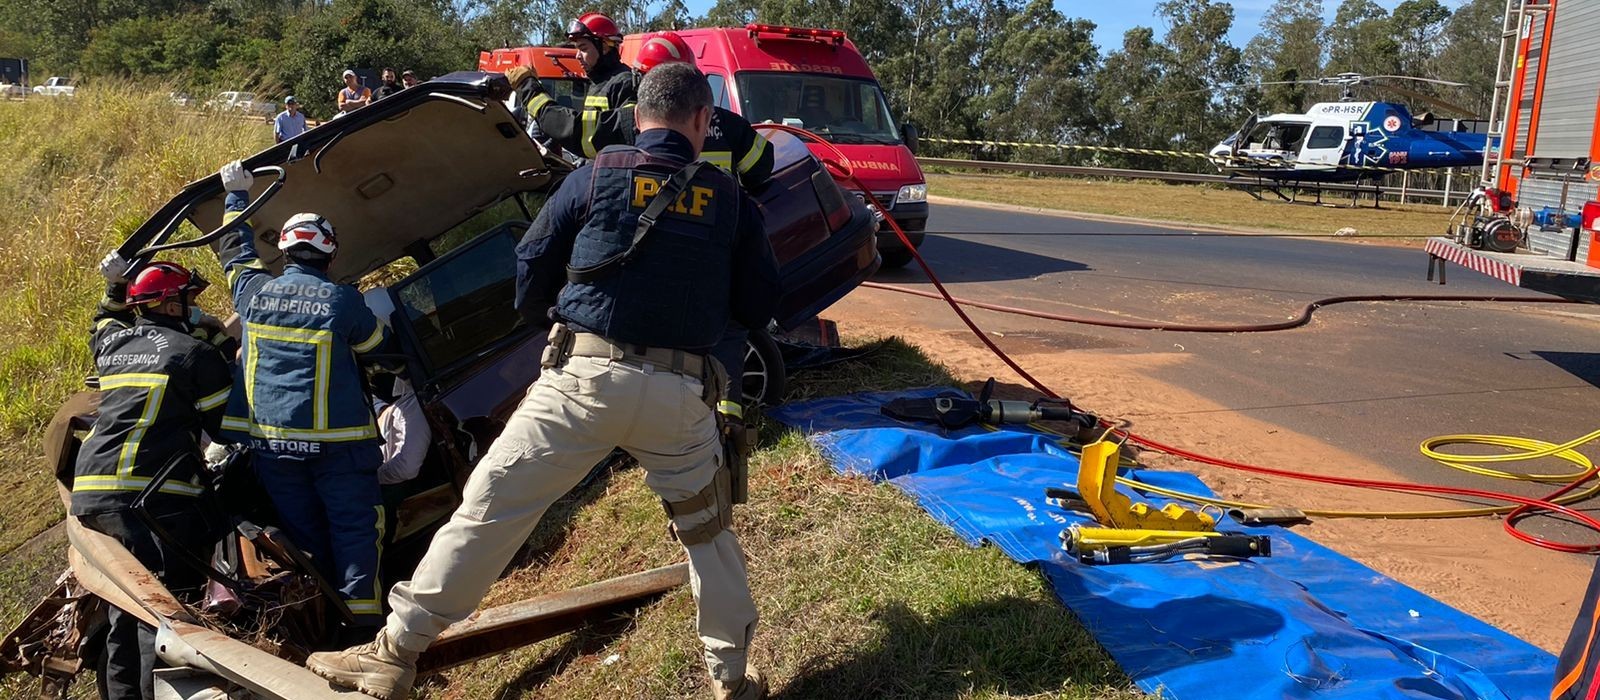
242 103
181 99
56 87
12 91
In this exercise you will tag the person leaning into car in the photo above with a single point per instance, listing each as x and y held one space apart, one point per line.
161 389
635 312
301 404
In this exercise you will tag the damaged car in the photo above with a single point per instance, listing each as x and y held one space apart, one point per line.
431 191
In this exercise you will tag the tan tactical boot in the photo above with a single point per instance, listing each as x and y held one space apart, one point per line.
380 668
752 687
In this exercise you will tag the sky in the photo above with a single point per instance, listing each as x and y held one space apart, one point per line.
1114 17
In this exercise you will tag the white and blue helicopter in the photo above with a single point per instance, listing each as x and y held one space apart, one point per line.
1347 141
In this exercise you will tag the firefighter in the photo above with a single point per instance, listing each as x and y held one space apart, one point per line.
640 259
732 143
301 404
160 389
114 311
611 83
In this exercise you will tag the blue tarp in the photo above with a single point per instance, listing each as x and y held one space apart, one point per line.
1307 622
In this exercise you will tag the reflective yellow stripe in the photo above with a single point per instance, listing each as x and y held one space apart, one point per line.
757 147
591 125
102 323
537 102
730 408
322 342
133 483
156 386
721 159
262 430
214 400
377 585
234 270
236 423
600 102
364 606
229 216
371 341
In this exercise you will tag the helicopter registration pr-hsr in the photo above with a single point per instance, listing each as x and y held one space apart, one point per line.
1335 141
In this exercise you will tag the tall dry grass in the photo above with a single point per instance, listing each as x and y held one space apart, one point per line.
76 176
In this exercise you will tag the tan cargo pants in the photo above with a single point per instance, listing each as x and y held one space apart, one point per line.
571 418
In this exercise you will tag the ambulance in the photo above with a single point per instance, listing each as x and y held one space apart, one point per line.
816 80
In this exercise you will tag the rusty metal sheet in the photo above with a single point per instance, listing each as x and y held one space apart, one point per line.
500 629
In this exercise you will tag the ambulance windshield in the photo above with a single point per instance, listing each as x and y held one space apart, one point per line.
844 110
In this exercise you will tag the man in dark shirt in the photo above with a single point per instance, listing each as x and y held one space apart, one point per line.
641 259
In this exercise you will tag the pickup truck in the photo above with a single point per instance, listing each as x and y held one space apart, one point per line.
56 87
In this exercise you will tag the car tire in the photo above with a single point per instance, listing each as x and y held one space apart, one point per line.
896 258
765 379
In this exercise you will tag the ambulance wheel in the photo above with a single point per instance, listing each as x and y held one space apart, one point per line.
895 259
765 380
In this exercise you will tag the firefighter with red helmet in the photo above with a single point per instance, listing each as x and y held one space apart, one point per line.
732 143
160 389
611 83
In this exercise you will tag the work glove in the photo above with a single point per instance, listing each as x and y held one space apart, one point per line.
235 178
114 268
517 75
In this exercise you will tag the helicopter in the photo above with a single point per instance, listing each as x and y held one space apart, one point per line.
1348 141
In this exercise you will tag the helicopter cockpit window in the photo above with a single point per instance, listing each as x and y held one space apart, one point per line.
1326 137
1277 136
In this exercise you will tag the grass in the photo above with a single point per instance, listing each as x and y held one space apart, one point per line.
76 176
1194 204
861 594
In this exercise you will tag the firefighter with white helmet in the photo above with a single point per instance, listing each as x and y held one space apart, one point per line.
302 405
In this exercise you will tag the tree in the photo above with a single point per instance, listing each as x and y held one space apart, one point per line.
1287 49
1361 39
1471 54
1196 114
1126 97
1419 26
427 37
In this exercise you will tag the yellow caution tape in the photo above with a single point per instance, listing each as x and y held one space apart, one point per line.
1219 161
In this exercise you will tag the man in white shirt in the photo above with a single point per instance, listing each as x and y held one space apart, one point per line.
404 429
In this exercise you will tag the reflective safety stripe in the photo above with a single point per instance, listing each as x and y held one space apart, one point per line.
102 323
234 270
273 432
371 341
369 606
537 102
757 147
321 341
599 102
214 400
721 159
591 127
132 483
155 386
730 408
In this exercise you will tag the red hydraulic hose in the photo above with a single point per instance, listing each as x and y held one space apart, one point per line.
1528 506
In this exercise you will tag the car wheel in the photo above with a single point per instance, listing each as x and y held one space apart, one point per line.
765 380
895 259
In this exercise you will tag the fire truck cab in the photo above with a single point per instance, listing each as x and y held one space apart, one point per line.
557 68
815 79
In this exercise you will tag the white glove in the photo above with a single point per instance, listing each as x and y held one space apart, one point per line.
114 268
216 453
235 178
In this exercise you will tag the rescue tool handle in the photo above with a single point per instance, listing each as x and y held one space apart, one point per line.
166 232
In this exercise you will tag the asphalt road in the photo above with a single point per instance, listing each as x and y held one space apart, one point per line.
1371 379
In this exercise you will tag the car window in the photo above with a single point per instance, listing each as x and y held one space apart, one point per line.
787 149
843 110
464 302
568 93
1326 137
719 90
506 210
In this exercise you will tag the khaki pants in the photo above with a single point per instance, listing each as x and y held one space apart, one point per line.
571 418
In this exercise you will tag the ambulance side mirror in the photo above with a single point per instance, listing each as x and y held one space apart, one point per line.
912 136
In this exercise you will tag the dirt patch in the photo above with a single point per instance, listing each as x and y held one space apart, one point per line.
1468 563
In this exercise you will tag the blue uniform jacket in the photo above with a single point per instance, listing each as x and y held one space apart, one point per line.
298 376
544 252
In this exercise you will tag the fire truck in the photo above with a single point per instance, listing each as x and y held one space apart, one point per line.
1535 219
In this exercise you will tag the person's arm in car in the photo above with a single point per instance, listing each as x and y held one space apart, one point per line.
236 249
363 332
543 254
754 297
406 441
752 153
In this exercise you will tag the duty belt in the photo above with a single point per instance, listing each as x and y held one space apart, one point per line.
567 343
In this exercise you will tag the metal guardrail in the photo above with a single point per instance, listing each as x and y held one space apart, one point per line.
1166 176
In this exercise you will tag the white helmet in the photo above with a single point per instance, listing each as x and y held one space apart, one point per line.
309 230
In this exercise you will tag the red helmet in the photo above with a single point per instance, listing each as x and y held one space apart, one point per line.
665 47
161 281
596 27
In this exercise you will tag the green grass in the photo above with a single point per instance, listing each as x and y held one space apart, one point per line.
861 594
1190 204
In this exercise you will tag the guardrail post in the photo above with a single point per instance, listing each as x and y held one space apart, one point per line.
1449 175
1405 185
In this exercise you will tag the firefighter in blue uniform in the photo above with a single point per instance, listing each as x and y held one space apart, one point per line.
160 389
301 403
640 259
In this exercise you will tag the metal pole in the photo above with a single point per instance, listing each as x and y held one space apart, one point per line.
1449 174
1405 184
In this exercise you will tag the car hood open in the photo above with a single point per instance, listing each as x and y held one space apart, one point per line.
401 171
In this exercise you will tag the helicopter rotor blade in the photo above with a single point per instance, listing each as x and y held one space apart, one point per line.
1435 81
1441 103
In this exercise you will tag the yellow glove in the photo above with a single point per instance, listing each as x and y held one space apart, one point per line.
517 75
